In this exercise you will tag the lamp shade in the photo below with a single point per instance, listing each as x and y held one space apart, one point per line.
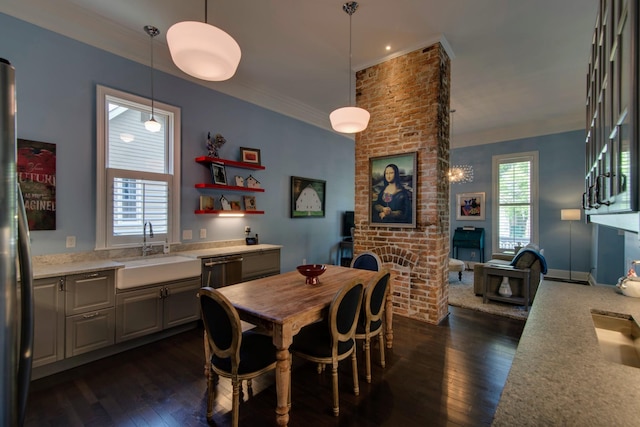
203 51
570 214
349 119
152 125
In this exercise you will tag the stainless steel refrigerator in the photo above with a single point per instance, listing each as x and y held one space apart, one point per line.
16 276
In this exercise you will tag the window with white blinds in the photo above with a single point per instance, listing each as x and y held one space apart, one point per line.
138 170
515 203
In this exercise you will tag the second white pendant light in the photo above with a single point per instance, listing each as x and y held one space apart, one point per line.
202 50
349 119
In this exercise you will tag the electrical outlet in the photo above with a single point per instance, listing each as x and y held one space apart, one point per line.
473 255
203 233
187 235
247 229
71 241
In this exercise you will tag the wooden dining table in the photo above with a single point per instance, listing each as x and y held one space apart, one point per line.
283 304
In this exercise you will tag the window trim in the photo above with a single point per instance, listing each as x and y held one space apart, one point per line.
173 132
533 157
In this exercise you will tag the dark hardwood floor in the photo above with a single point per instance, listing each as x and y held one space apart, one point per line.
446 375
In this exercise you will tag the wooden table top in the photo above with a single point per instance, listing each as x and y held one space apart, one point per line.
286 298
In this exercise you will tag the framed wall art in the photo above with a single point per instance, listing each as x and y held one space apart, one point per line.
470 207
250 155
392 193
218 174
307 197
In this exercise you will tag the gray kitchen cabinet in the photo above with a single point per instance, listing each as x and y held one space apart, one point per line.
48 330
90 312
181 304
90 331
89 292
260 264
141 312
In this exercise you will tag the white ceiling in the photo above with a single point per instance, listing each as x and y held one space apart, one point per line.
518 66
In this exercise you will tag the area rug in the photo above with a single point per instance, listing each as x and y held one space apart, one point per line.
461 295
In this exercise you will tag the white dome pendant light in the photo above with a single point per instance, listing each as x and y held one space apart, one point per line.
349 119
202 50
152 125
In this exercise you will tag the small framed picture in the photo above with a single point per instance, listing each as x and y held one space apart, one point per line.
235 205
218 174
250 155
249 203
470 207
206 203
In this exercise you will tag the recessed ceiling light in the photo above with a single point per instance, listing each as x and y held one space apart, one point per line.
388 47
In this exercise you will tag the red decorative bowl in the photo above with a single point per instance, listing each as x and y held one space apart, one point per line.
311 272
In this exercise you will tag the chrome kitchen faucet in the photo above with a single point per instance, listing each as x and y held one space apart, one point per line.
146 249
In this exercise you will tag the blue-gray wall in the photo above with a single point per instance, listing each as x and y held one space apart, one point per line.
56 83
561 184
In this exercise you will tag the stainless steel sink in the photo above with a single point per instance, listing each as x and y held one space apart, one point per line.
618 336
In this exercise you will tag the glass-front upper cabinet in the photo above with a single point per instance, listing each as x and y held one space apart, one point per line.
612 111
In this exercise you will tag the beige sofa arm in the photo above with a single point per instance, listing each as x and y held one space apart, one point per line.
501 256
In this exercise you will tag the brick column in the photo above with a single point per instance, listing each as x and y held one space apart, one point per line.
408 98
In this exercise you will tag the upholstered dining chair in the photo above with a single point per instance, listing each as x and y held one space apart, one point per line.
234 354
332 339
371 320
366 261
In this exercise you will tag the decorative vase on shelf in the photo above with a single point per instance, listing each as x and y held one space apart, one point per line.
505 288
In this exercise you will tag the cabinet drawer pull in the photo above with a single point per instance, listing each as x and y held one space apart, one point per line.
90 315
91 275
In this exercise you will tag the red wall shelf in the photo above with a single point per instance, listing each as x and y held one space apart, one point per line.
206 160
217 212
229 187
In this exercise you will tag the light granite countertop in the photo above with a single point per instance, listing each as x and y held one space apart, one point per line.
228 250
559 376
51 268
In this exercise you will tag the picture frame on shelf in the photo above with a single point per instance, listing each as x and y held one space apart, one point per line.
218 174
392 200
470 207
206 203
307 197
235 205
250 203
250 155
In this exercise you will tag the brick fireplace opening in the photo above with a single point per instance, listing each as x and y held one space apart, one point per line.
408 98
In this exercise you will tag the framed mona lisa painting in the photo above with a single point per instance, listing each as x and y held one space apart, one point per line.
392 193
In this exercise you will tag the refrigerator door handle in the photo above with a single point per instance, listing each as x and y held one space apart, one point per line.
26 301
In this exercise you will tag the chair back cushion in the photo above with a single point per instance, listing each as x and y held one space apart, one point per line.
343 312
222 323
366 261
373 303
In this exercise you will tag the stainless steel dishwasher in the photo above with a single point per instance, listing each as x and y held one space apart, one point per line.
221 271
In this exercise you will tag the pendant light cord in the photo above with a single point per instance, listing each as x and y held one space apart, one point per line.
152 31
350 78
152 97
350 9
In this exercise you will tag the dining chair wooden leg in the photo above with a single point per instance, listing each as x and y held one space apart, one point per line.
336 398
381 343
367 357
210 394
235 408
354 365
